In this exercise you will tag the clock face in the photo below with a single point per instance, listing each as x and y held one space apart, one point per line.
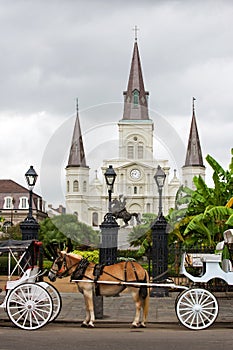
135 174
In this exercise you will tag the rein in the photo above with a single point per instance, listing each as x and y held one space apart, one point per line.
67 269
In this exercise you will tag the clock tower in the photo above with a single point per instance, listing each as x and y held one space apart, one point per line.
136 166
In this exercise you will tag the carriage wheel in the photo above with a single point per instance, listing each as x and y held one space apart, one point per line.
196 308
56 298
29 306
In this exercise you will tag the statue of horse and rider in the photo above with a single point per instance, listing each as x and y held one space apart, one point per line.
119 211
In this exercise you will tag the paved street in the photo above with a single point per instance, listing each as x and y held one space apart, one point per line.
113 332
163 336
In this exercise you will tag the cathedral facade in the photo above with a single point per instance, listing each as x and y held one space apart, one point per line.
135 165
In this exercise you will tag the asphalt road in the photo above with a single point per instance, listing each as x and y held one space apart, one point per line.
56 336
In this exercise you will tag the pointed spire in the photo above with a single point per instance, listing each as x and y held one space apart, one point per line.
135 104
194 153
77 155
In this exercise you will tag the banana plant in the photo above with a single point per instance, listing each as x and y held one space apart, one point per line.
210 210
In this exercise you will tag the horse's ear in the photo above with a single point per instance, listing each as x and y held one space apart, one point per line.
58 252
69 246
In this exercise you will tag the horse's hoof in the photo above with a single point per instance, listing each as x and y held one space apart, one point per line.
84 325
135 325
142 325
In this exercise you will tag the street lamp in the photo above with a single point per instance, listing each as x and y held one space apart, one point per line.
109 227
159 239
110 177
29 227
31 177
160 177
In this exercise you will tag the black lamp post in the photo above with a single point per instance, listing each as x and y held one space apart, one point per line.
110 177
159 239
31 177
109 227
29 227
160 177
108 237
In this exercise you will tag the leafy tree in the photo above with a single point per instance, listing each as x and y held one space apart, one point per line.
177 218
13 232
65 228
140 236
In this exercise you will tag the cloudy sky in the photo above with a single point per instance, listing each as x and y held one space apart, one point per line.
55 51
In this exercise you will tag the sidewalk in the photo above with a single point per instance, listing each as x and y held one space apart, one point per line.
121 309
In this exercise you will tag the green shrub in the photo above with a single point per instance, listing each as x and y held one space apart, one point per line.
47 264
4 265
91 255
128 254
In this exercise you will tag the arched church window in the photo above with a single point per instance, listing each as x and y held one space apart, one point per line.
68 186
140 150
84 186
75 186
95 219
135 190
135 98
130 151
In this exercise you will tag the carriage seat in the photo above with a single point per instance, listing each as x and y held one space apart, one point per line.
228 241
29 276
228 236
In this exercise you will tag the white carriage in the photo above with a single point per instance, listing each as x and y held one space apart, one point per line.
197 308
29 303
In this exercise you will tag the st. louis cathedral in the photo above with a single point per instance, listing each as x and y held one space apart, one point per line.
136 164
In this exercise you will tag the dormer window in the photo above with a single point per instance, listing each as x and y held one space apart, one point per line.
8 203
23 203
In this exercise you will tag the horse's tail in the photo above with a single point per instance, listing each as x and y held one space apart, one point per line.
143 289
144 294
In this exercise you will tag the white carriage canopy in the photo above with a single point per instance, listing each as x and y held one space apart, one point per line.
21 254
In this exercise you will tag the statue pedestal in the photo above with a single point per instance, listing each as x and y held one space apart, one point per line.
123 234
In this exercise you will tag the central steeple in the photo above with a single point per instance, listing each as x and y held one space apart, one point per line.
135 98
136 128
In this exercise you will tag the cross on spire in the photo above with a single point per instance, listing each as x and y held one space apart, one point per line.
193 104
135 29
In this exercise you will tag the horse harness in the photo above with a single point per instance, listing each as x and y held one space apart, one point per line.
80 270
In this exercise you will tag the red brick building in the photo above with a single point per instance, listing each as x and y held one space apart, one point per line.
14 203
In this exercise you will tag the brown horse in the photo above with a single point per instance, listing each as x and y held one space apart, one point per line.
115 278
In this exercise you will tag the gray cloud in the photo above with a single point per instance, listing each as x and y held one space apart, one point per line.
55 51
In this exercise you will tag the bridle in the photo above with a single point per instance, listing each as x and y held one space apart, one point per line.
62 267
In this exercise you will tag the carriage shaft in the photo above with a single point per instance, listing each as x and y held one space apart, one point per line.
135 284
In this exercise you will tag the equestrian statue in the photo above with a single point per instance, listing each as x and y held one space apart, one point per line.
119 211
